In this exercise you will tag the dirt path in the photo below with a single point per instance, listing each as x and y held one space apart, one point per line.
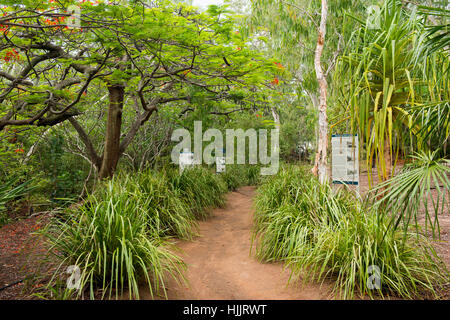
220 266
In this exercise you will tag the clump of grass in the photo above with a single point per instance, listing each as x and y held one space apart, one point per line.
167 213
322 233
237 175
253 175
114 241
199 188
233 176
10 191
117 236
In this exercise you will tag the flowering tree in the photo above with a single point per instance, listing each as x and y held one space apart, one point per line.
139 56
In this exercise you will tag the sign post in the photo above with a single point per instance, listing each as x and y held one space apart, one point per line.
220 162
186 160
345 159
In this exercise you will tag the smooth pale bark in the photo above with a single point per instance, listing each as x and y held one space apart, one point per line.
276 117
111 152
320 166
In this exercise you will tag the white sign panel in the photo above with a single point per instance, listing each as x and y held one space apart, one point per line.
345 160
220 164
186 160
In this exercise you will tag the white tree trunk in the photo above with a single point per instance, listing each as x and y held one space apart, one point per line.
276 117
320 166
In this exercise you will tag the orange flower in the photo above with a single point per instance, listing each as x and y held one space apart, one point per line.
279 65
275 81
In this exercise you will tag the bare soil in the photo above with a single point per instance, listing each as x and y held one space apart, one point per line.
220 265
20 252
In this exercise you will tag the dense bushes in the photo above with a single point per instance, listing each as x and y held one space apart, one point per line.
11 191
236 176
114 239
117 237
166 211
319 233
198 188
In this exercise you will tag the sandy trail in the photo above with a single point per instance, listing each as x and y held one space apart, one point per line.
220 265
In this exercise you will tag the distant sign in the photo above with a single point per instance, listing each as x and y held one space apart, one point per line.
186 160
220 164
345 160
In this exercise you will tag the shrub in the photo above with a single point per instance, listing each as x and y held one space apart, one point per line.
116 237
11 191
113 240
253 175
199 188
168 214
233 177
238 175
324 233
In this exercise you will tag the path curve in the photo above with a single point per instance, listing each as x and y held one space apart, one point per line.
220 265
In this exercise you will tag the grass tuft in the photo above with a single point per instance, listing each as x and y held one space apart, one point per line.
322 233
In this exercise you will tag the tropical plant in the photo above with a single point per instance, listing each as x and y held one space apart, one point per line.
389 85
199 188
12 190
236 176
410 193
115 242
325 234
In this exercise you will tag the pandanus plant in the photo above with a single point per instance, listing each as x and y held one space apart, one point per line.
384 83
396 86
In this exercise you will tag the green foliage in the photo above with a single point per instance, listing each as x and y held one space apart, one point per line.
388 81
117 237
438 32
237 175
297 132
410 192
321 233
114 241
10 191
167 213
64 172
199 188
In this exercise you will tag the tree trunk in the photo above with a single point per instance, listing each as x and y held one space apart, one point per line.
320 166
111 152
276 118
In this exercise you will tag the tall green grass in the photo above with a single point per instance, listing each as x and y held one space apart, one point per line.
118 236
199 188
114 240
167 213
237 175
410 192
10 191
322 233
